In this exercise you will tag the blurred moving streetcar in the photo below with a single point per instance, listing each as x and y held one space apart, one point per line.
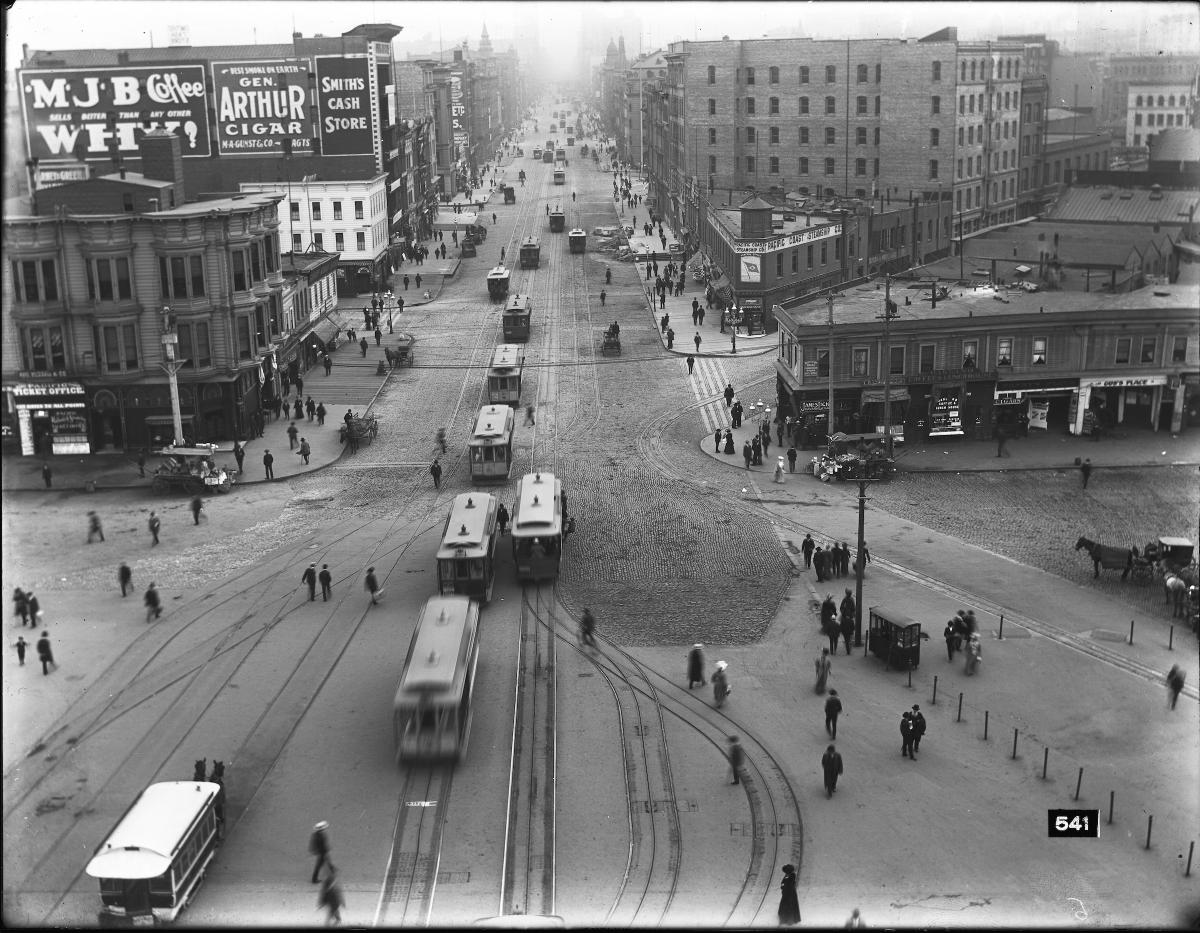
466 559
491 443
432 709
537 526
504 375
155 858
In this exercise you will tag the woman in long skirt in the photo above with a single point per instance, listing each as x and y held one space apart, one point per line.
789 905
823 664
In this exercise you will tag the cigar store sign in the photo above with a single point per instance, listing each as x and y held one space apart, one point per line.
260 104
88 113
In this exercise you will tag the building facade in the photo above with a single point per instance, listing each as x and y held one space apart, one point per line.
1153 107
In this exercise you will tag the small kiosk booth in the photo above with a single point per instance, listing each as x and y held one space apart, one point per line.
896 638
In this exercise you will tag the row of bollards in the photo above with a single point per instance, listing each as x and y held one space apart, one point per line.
1112 795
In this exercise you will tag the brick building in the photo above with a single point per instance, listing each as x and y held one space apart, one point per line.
1152 107
964 365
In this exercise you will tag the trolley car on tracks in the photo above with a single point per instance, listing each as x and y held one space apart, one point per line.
577 240
155 858
560 176
515 319
504 375
531 253
466 560
491 443
537 526
497 282
431 712
558 220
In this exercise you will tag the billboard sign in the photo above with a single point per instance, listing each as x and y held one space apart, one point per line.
259 104
458 116
344 105
86 114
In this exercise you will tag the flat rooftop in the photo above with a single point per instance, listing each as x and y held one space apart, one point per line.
863 304
732 218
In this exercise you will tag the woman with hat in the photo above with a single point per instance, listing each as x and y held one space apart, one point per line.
318 845
720 683
789 905
695 668
779 470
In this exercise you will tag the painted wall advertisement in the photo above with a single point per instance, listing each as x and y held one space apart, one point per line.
344 105
751 269
458 117
79 113
259 104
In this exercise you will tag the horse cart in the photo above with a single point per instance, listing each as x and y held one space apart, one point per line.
359 430
612 340
191 470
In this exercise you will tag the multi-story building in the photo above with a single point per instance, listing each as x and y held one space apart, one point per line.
345 217
309 295
1152 107
1123 70
89 297
628 105
967 364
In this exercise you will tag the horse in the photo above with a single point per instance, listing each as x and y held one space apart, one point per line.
1102 555
218 778
198 769
1175 588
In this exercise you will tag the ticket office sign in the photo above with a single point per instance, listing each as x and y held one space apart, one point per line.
260 105
87 114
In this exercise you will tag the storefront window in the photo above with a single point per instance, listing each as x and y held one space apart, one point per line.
1004 351
1124 348
1149 346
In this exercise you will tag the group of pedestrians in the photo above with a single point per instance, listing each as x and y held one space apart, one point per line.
831 561
839 621
962 634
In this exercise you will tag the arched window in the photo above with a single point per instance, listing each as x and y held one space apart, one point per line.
1171 101
1160 100
964 71
972 71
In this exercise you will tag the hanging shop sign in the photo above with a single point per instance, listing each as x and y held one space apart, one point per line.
259 105
344 104
799 238
1124 381
458 115
90 114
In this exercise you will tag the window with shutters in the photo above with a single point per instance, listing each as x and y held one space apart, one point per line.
712 74
936 71
773 165
935 104
750 105
749 134
773 135
934 137
831 74
750 169
831 105
860 136
830 166
773 105
860 166
749 75
773 74
860 104
712 107
803 165
712 136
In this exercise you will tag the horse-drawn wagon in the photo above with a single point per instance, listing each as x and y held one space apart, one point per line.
192 470
612 340
358 430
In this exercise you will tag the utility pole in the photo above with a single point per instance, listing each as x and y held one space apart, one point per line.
859 565
887 361
172 367
829 423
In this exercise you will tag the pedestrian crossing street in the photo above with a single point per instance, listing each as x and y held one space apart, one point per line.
708 381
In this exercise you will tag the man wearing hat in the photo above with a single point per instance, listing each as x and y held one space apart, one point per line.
309 578
906 733
696 666
918 720
318 845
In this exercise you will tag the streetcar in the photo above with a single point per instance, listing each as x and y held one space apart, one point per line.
531 253
497 282
537 153
491 443
560 177
558 220
516 318
560 155
577 239
431 714
466 560
547 155
504 375
537 526
155 858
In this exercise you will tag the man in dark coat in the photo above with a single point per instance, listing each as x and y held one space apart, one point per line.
728 394
821 563
906 734
833 709
831 764
125 578
45 655
848 625
269 465
326 579
951 634
318 845
828 613
807 547
309 578
918 721
696 666
747 454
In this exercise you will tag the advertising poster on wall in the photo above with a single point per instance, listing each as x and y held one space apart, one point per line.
751 269
344 105
944 416
259 104
458 117
84 114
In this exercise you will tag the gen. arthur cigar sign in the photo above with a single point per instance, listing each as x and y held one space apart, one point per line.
260 104
86 113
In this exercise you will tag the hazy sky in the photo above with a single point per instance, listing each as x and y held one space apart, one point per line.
66 24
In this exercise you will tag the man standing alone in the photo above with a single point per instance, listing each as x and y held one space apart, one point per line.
833 709
831 764
1085 470
269 465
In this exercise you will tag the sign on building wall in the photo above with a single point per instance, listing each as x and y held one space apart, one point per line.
344 104
458 117
77 113
800 237
259 104
751 269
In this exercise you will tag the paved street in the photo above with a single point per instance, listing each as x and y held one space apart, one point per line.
673 545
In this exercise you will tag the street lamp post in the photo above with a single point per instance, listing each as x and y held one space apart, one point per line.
172 366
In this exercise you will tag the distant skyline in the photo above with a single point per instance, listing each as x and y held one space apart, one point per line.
67 24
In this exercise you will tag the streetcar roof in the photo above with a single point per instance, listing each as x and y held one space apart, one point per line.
577 232
530 241
517 304
494 423
472 518
441 646
536 511
498 272
507 356
145 841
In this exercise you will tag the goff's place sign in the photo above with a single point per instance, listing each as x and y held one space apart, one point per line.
259 105
87 113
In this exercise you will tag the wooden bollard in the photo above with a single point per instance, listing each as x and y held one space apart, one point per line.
1149 827
959 719
1131 631
1014 754
1079 783
1171 639
935 690
1045 760
910 674
1191 848
985 724
1000 636
1112 796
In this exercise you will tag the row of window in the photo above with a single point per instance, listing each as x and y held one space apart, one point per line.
862 73
339 242
1000 162
926 355
1159 119
974 134
967 102
315 209
1149 101
180 277
1008 69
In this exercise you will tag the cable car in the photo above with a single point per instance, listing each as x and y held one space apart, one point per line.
560 155
570 142
516 319
497 282
548 155
537 153
537 526
155 858
466 560
560 177
558 221
431 713
531 253
577 240
504 375
491 443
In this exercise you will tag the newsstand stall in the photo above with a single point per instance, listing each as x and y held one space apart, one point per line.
896 638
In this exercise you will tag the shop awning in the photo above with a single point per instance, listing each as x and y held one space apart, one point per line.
898 394
321 333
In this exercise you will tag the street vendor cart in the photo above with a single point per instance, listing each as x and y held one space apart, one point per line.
855 457
896 638
192 470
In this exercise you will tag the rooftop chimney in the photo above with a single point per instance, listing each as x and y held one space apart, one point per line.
162 159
